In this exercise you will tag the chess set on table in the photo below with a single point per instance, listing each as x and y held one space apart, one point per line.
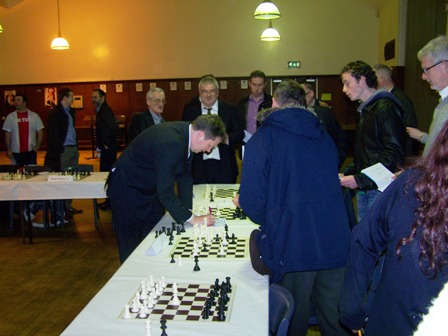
185 247
16 176
181 302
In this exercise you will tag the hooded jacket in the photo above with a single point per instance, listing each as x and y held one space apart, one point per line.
290 186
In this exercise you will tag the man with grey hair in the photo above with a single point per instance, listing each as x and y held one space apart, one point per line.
385 82
434 62
218 166
155 99
290 174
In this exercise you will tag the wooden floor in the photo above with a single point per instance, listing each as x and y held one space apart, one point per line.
45 285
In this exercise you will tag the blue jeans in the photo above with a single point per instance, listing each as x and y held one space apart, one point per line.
364 200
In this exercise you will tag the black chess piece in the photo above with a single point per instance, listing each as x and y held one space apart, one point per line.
217 238
171 240
172 259
168 231
157 234
183 227
178 231
204 247
226 228
163 327
233 241
164 229
205 313
221 314
196 264
229 285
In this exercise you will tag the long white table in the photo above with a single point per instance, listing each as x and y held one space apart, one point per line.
249 312
39 188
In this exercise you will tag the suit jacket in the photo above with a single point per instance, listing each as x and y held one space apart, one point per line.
139 122
243 105
149 168
333 128
57 127
106 127
228 169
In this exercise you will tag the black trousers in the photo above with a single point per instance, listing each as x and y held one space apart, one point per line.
25 158
108 158
134 213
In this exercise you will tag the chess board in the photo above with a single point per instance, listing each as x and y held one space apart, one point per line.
76 175
228 214
225 193
192 300
185 245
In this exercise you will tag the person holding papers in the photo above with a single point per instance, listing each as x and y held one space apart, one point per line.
380 132
409 221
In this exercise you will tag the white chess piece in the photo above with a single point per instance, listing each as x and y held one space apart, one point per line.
221 250
142 313
224 240
148 327
134 306
150 302
175 301
163 282
145 307
218 211
127 312
151 281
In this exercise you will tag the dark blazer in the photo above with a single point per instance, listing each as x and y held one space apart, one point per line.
106 127
226 170
57 127
244 103
410 118
333 128
148 169
139 122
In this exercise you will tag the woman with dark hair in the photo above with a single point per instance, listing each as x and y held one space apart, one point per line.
409 223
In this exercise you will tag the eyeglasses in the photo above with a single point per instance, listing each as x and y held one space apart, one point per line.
205 92
158 101
425 70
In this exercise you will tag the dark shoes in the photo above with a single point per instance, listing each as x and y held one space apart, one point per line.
104 205
73 211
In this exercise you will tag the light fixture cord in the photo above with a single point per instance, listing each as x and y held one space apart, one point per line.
59 21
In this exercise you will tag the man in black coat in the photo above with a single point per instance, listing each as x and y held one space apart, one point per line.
106 130
328 119
155 99
220 165
62 145
142 182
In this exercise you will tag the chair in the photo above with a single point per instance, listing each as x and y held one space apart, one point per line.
10 169
96 213
281 309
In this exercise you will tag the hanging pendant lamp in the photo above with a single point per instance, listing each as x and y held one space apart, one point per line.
59 43
270 34
267 11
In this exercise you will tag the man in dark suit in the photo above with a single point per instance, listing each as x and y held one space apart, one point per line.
327 118
220 165
62 145
155 99
385 81
106 130
141 183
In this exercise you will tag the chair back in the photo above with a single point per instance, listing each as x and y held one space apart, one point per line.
281 309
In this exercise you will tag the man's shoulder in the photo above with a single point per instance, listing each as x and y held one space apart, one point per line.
224 106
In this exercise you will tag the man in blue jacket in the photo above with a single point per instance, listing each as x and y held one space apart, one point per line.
290 186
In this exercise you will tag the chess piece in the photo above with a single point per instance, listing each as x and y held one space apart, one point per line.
229 285
127 312
196 266
172 259
148 327
182 227
163 327
157 234
171 240
233 241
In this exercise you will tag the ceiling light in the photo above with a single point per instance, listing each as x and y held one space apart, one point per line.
59 43
1 29
267 11
270 34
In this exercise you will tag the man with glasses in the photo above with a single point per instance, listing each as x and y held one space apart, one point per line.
434 62
218 166
155 99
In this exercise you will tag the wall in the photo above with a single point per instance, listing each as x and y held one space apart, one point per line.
159 39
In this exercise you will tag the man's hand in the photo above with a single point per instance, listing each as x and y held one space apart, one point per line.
414 133
236 200
209 220
348 182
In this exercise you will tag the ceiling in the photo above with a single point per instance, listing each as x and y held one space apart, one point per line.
372 3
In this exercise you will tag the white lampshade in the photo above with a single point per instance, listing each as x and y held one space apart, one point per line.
60 43
267 11
1 29
270 34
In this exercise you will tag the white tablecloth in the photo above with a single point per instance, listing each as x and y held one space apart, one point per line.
38 188
249 315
